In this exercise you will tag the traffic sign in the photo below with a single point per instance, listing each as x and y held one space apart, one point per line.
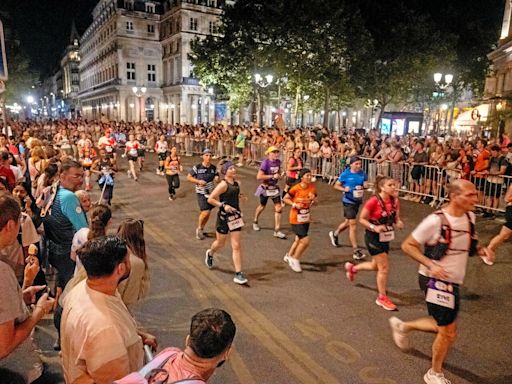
3 60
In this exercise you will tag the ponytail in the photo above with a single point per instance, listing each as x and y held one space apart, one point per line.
100 216
379 182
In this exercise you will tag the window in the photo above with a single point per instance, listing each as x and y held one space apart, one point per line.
150 8
212 3
151 72
130 71
211 27
151 28
193 24
129 25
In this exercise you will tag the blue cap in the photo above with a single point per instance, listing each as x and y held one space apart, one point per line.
206 151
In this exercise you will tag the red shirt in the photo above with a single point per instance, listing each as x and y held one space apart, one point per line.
8 174
375 208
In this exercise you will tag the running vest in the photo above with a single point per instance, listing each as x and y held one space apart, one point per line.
437 251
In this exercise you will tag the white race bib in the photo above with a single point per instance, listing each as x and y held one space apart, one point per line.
303 216
440 293
235 222
272 191
87 161
108 148
133 152
358 193
386 237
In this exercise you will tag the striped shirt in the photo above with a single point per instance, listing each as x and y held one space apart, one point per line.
207 174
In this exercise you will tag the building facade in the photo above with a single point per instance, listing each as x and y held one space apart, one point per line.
69 65
498 85
134 62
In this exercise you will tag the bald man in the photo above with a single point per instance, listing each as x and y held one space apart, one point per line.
441 272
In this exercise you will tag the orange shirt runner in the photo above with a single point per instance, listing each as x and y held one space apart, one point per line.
302 197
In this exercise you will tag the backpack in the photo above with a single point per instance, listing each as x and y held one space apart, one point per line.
153 373
439 250
45 201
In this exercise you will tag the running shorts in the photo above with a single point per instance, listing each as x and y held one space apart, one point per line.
375 247
301 230
203 203
442 315
351 210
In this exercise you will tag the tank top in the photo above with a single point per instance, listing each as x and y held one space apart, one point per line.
231 196
295 174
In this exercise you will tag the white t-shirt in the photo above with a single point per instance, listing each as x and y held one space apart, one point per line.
456 258
79 239
97 329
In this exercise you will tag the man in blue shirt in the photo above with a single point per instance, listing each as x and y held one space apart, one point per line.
351 182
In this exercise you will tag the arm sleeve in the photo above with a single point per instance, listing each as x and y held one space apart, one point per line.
73 211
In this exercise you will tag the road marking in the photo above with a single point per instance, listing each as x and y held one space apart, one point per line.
299 363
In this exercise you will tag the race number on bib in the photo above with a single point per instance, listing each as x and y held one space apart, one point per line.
108 148
271 192
358 193
133 152
386 237
303 216
440 293
235 222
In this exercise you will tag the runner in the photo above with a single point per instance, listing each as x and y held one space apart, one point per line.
352 182
106 168
379 215
161 148
173 168
449 238
131 151
87 155
293 167
269 175
108 143
505 232
226 196
300 197
203 175
141 151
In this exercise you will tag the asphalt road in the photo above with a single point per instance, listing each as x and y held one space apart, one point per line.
313 327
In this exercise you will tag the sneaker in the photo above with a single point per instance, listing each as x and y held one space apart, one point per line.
400 337
239 164
199 234
171 198
240 278
208 260
255 226
486 260
350 271
358 254
129 174
432 377
385 303
279 235
286 258
294 264
334 239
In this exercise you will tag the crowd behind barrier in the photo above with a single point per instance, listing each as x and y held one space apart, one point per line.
326 153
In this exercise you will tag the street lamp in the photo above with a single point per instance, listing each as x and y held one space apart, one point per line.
261 82
441 87
139 92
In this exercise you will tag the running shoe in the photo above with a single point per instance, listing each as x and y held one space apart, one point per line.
385 303
358 254
486 260
208 260
334 239
286 258
240 278
255 226
400 337
129 174
294 264
199 234
279 235
432 377
239 164
350 271
171 198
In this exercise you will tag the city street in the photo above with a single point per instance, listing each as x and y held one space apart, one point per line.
313 327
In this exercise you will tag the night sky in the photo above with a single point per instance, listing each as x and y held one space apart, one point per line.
43 26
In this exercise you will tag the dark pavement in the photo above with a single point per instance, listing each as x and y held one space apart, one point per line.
313 327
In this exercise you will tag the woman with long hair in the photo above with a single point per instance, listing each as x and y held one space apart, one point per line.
136 286
379 215
173 167
131 151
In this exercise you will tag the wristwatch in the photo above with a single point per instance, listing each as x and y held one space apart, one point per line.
372 227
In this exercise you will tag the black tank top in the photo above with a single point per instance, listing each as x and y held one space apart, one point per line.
231 196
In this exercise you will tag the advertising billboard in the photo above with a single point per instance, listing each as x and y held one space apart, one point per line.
3 61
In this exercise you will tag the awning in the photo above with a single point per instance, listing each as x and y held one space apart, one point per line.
472 117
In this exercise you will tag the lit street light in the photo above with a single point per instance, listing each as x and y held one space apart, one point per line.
263 82
441 88
139 92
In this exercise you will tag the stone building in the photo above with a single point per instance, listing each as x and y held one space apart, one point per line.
69 65
134 62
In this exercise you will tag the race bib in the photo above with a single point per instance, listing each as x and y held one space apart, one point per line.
108 148
272 191
386 237
133 152
440 293
303 216
235 221
358 193
87 161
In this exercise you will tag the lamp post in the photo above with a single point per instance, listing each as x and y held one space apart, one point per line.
172 106
441 88
139 92
261 82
